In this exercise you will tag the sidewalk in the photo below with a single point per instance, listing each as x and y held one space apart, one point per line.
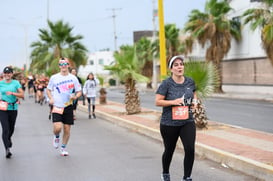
245 150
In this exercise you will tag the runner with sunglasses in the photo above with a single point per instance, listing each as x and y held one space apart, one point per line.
60 93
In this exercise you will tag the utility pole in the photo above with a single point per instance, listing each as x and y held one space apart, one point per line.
47 15
114 23
47 19
154 39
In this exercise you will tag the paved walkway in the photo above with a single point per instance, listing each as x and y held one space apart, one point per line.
245 150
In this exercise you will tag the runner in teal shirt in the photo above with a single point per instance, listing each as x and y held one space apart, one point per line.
10 91
12 86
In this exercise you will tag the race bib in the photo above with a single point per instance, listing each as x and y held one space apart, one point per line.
58 110
3 105
180 112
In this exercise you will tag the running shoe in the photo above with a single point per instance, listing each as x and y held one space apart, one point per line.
8 153
165 177
64 152
94 116
89 116
187 179
56 142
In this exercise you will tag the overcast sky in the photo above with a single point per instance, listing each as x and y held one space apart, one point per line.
21 19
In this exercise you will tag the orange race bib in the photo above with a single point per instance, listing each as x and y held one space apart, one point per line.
58 110
3 105
180 112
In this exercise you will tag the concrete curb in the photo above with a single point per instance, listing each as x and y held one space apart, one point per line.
244 165
267 98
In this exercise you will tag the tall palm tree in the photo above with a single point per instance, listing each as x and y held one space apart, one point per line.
186 45
172 39
144 52
213 26
262 17
127 68
56 43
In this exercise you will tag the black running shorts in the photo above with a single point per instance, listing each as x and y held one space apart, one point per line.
66 117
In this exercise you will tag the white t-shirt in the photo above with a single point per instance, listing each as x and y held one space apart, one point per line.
62 87
90 88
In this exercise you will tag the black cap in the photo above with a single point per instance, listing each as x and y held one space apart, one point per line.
8 70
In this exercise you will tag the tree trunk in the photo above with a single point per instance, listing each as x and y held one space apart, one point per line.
132 101
200 117
218 87
103 96
149 85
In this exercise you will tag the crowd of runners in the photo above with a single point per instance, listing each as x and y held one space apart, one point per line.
36 84
60 92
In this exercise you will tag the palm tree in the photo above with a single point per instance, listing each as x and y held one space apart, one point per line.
214 27
127 68
56 43
144 51
186 45
262 17
172 39
205 76
102 91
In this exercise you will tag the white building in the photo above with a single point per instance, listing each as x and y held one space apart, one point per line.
95 64
250 46
246 67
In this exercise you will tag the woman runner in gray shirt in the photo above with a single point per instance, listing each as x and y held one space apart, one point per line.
177 96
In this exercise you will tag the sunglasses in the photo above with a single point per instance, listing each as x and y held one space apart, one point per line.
63 64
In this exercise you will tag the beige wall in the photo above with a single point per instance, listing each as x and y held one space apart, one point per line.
258 71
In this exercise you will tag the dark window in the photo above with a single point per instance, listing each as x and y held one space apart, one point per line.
256 1
101 61
237 18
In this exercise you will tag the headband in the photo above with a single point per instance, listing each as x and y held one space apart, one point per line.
173 58
63 60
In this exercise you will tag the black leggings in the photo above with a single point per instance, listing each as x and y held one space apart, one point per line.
8 119
91 101
170 136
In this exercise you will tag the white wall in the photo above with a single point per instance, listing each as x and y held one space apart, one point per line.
250 45
96 68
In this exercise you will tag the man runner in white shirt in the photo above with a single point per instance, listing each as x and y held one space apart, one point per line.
59 91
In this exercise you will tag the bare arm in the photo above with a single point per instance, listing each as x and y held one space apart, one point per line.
19 93
77 95
49 95
160 101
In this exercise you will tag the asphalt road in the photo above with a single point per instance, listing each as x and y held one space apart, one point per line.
252 114
99 151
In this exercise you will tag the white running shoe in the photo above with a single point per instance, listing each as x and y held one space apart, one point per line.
56 142
64 152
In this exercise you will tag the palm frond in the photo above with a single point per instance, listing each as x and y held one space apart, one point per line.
205 76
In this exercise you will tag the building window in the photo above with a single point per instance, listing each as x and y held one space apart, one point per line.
101 61
237 18
91 62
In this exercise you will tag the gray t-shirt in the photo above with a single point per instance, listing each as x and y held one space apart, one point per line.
171 90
